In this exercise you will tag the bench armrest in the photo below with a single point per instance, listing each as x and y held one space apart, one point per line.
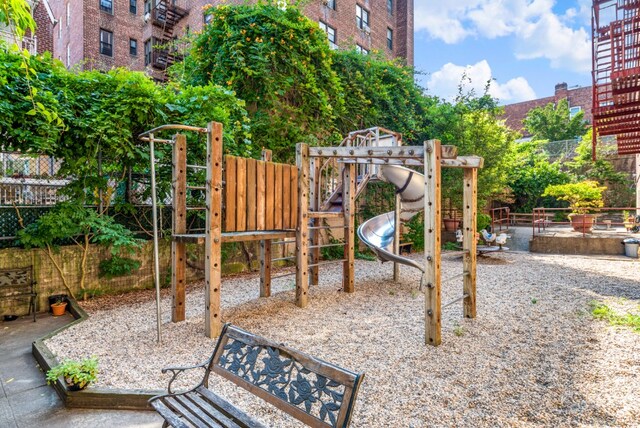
177 370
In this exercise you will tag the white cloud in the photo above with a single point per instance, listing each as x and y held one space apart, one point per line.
537 31
445 82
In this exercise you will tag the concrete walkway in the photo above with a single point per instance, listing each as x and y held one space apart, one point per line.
25 398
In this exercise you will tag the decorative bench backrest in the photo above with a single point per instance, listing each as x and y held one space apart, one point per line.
316 392
16 282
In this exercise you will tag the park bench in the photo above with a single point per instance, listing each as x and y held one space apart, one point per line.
18 284
313 391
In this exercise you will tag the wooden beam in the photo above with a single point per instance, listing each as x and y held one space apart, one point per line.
179 249
349 209
265 268
314 206
246 236
265 244
469 219
213 244
432 231
302 236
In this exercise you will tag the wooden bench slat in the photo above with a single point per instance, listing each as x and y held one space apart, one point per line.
197 411
235 413
195 420
316 392
211 411
168 415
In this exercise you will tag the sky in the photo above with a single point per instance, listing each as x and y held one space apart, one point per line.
525 46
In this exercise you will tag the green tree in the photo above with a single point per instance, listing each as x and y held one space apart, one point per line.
380 92
530 174
474 125
620 189
553 122
277 61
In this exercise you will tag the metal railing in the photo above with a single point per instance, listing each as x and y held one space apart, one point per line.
329 177
599 219
499 218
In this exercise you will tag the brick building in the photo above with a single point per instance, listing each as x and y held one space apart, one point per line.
131 33
579 99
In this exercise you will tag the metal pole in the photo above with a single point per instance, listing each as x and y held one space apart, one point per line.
156 257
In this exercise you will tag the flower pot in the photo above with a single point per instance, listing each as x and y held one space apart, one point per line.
59 308
582 222
74 386
451 224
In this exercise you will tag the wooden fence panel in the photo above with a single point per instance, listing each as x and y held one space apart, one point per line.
252 186
230 194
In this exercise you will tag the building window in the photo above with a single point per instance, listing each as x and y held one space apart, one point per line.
106 42
574 110
68 15
390 39
331 34
362 50
60 28
133 6
147 52
147 6
106 5
331 4
133 47
390 7
362 18
207 18
68 56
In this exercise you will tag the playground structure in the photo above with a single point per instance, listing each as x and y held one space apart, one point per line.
272 203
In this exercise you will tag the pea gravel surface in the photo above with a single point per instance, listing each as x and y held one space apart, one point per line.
534 356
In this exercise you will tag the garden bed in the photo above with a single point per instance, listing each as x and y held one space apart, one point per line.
534 355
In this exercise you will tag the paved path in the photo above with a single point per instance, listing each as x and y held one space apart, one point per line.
25 398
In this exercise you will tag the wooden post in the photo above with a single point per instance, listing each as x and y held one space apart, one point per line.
349 209
265 245
396 237
179 249
302 231
469 218
213 241
314 234
432 231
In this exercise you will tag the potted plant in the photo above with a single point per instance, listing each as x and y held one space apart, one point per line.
76 374
582 197
451 224
628 220
59 306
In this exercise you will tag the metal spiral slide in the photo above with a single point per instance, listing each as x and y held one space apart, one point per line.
378 232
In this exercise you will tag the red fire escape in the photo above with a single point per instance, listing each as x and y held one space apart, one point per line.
165 16
616 72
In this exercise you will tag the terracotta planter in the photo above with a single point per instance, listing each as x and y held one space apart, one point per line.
582 222
451 224
58 308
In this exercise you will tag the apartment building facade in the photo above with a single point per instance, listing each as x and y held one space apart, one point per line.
134 33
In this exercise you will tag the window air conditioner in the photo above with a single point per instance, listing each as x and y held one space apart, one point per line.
147 16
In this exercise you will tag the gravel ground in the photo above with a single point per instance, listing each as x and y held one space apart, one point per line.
534 356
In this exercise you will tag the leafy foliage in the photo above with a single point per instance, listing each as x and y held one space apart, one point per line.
118 266
553 122
70 221
530 174
80 373
604 312
380 92
581 196
278 62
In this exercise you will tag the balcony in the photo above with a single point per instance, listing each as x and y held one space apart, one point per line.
28 43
